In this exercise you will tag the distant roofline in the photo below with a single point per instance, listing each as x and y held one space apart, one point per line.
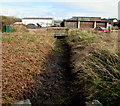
38 18
85 20
109 19
112 18
84 17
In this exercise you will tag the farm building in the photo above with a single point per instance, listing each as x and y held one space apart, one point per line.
84 22
86 18
111 20
43 22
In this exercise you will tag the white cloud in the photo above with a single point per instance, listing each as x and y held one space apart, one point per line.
103 9
26 11
61 10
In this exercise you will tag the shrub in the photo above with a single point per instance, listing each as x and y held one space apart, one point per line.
7 20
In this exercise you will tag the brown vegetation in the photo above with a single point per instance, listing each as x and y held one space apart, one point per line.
23 56
7 20
96 66
90 58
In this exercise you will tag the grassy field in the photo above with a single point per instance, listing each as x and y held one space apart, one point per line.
24 53
95 61
95 58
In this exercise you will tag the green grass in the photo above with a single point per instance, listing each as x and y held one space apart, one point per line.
87 36
33 74
7 96
7 39
118 51
97 82
99 65
31 40
1 38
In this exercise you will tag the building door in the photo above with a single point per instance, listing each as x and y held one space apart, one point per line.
86 24
101 24
71 24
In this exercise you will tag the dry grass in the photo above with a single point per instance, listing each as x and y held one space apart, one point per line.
23 56
94 57
19 28
96 65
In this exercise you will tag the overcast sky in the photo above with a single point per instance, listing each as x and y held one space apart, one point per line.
60 9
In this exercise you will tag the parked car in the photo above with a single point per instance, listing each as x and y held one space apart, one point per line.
55 25
101 29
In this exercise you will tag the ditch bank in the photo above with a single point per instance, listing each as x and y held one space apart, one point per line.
82 67
79 70
57 85
96 68
40 72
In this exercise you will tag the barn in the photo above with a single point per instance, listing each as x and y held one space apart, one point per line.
43 22
84 22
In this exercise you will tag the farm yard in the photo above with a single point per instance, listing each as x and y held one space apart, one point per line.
79 68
